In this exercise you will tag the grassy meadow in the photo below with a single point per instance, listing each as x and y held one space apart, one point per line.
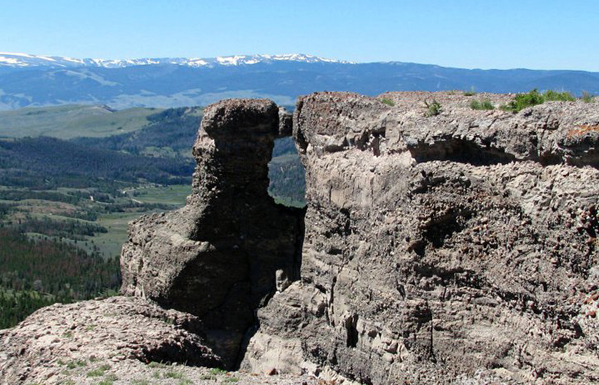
71 121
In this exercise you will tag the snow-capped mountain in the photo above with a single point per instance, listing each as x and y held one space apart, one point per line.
16 60
33 80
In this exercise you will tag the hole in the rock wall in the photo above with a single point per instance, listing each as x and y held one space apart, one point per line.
444 226
352 332
461 151
286 174
287 186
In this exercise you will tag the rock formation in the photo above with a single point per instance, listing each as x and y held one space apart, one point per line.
436 248
454 248
221 256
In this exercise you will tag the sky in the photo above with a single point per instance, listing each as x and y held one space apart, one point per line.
537 34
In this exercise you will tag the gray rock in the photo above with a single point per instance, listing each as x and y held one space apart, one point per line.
217 257
454 248
115 330
285 122
120 340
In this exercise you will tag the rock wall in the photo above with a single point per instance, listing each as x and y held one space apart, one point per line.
222 255
457 247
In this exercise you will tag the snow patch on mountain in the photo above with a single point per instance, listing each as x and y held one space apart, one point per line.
8 59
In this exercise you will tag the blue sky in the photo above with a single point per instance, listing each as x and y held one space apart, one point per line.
459 33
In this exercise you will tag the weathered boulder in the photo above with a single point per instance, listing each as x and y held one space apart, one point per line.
219 257
440 249
97 333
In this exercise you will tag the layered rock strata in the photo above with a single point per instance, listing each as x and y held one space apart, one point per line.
223 254
461 246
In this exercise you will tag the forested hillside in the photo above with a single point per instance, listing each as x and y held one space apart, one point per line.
72 165
36 273
169 133
286 174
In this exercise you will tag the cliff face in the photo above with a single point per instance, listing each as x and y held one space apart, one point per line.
462 244
460 247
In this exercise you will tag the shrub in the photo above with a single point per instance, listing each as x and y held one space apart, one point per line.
388 102
554 96
433 108
482 105
471 92
74 364
522 101
173 374
534 97
99 372
155 364
95 373
586 97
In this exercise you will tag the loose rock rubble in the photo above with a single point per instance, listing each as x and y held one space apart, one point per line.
112 330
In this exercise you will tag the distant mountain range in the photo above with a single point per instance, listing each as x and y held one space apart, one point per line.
21 60
33 80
